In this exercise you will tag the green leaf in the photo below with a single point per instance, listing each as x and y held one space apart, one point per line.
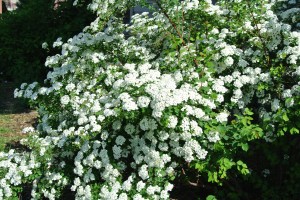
294 130
213 177
227 163
211 197
245 146
209 64
199 166
242 167
248 112
239 162
285 117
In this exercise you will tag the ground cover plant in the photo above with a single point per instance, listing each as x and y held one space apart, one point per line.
129 108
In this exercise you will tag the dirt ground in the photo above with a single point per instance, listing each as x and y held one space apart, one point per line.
14 115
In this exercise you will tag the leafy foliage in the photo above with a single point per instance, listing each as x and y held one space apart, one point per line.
23 31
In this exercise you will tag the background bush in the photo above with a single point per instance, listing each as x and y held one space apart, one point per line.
23 31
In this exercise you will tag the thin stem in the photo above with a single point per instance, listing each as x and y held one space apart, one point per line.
176 29
259 36
171 21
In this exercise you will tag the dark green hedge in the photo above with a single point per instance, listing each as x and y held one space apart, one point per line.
23 31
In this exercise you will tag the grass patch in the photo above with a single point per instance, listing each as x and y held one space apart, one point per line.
6 131
11 126
14 116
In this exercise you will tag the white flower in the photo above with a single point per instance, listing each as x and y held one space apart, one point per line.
138 197
120 140
266 172
237 83
155 110
172 121
213 136
117 152
129 66
222 117
140 185
148 124
28 130
143 172
57 85
77 182
164 194
243 63
169 187
201 153
45 45
163 146
117 125
129 128
118 84
228 61
287 93
151 190
127 184
143 101
58 42
185 124
227 51
70 87
248 25
97 164
123 196
82 120
178 76
219 86
129 105
196 129
275 105
65 99
188 153
144 68
220 98
96 57
43 90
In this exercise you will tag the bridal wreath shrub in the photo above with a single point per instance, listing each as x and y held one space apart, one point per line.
127 108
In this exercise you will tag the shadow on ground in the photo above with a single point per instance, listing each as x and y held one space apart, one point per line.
15 115
8 104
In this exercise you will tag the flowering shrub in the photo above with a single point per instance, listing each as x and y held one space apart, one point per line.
127 108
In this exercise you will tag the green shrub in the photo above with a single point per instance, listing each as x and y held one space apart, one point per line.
23 31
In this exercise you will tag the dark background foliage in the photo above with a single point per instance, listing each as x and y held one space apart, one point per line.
23 31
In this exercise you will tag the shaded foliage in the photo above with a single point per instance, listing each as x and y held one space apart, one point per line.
23 31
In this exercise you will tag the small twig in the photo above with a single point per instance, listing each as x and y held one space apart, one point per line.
183 20
172 23
176 29
259 35
189 182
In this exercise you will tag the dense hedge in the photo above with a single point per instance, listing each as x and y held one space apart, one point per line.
23 31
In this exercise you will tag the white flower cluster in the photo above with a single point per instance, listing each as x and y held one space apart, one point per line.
28 130
125 110
17 167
